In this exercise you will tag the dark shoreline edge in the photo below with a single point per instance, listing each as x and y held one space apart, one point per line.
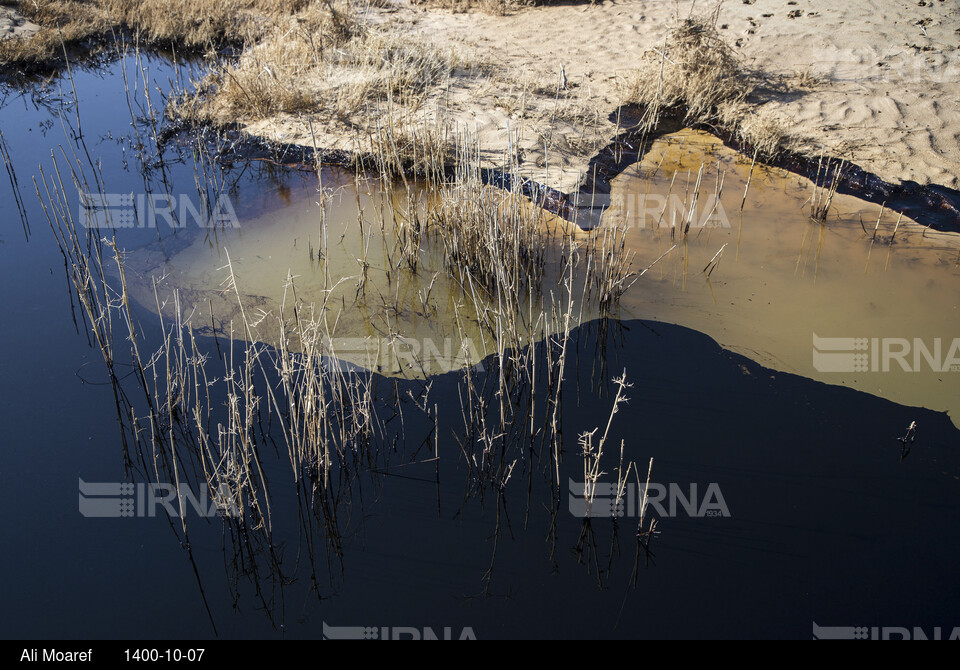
99 50
934 206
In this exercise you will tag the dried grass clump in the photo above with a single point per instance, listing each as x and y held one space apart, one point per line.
765 131
191 23
62 22
324 61
384 67
269 77
401 145
694 68
200 23
491 238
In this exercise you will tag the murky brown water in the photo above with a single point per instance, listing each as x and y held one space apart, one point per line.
818 463
312 250
782 278
780 281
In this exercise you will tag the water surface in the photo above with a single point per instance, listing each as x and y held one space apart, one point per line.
828 523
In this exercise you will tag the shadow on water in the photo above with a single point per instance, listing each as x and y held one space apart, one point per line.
451 502
768 489
732 249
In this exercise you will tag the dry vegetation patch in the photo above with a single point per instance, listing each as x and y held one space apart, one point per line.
696 70
61 22
367 78
196 24
359 75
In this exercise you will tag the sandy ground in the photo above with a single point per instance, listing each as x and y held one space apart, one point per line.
13 24
877 81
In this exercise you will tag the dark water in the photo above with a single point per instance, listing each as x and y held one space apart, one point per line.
827 523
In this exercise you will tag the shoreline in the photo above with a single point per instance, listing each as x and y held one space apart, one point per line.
889 115
930 205
897 121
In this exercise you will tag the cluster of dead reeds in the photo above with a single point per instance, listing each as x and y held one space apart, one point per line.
362 79
207 412
697 73
524 278
198 24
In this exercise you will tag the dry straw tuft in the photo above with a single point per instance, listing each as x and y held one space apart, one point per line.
695 68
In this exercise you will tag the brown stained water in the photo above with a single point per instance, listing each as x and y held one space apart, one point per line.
780 281
783 279
811 474
312 250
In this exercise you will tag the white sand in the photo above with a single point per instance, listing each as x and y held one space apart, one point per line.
886 92
12 24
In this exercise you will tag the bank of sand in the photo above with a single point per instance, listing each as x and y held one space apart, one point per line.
12 24
876 82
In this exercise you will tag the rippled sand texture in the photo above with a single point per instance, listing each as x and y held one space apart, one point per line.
13 24
876 82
